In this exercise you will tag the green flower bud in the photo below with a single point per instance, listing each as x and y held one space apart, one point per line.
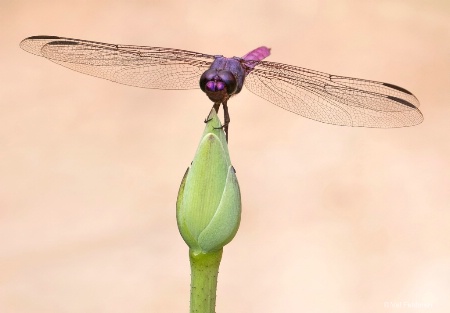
209 199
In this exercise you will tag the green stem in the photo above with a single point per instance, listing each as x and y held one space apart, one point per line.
204 271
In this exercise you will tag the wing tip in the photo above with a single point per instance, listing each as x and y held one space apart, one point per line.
402 101
34 44
398 88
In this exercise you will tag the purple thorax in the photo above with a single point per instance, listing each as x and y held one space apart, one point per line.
225 77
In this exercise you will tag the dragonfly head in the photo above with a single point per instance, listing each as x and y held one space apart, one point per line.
218 84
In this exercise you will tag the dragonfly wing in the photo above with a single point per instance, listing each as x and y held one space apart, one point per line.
334 99
140 66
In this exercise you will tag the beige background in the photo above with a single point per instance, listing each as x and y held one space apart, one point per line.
334 219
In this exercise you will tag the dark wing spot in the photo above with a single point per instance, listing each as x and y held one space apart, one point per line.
402 101
397 88
61 43
44 37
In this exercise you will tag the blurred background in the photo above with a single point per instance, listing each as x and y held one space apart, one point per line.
334 219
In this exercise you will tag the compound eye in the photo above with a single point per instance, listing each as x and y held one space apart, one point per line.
207 76
230 81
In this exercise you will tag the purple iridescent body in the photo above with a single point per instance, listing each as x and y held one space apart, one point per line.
226 76
323 97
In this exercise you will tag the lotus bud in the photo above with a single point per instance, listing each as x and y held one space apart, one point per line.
209 199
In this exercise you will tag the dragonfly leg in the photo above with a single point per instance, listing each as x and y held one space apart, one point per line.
216 107
226 118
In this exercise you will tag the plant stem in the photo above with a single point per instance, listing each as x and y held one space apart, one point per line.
204 271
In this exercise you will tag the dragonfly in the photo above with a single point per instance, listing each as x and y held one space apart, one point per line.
326 98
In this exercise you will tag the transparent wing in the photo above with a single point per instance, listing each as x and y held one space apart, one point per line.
333 99
140 66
